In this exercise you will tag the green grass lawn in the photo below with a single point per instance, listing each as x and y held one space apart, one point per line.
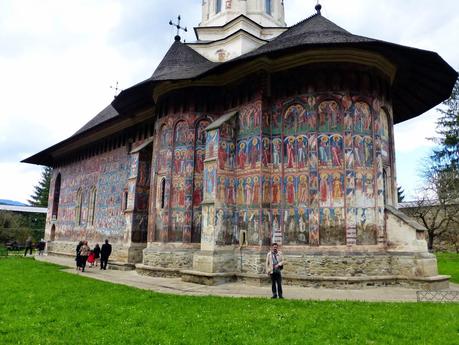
448 263
39 304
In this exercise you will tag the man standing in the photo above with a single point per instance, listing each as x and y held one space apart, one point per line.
28 246
274 267
105 252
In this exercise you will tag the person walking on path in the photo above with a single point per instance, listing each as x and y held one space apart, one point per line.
84 253
105 254
274 266
78 257
28 246
96 251
41 246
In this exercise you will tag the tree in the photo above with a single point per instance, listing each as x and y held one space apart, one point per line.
400 194
446 157
41 191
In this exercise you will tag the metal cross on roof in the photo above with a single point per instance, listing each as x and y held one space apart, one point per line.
177 37
115 88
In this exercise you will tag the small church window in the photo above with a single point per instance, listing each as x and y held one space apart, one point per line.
56 196
163 193
79 204
268 6
218 6
92 206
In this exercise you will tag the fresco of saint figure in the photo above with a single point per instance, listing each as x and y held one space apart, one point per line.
248 190
240 192
359 151
338 189
277 145
368 151
197 193
303 190
290 158
301 147
337 150
266 190
256 190
266 152
290 190
276 190
324 151
242 156
222 156
230 191
324 189
254 153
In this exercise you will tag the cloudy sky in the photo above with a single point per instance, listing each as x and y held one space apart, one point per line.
58 59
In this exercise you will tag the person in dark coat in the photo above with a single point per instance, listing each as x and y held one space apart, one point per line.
78 257
105 252
28 246
96 251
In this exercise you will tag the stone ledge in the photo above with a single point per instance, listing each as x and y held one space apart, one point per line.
157 271
120 266
207 278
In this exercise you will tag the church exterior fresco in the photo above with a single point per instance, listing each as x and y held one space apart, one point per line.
108 173
308 171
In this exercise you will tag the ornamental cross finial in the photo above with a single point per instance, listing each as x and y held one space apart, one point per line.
115 88
177 37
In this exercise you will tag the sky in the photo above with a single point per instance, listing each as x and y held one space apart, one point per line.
59 59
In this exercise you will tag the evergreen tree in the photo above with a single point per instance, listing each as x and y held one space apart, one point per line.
446 157
400 194
41 191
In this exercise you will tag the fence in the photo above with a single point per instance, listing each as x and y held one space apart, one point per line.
442 296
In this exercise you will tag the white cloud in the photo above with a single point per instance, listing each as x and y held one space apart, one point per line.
58 59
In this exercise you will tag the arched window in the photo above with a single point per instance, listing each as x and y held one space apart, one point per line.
78 207
56 195
92 205
52 236
218 6
163 192
268 6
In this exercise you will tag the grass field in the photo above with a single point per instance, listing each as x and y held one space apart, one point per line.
448 263
41 305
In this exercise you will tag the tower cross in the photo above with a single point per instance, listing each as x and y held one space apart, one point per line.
177 37
115 88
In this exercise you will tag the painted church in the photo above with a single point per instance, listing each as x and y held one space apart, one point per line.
255 133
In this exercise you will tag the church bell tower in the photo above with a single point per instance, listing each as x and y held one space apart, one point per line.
230 28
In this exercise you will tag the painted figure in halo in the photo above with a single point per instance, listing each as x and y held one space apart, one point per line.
301 144
222 156
242 156
266 190
290 150
266 152
324 189
277 143
290 190
303 189
254 153
240 192
248 190
276 190
368 151
337 150
324 151
199 161
221 189
358 151
197 193
230 191
256 190
231 155
338 189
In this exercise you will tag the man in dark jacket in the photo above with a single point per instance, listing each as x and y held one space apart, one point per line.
28 246
105 252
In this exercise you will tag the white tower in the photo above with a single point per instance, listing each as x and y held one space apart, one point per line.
230 28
